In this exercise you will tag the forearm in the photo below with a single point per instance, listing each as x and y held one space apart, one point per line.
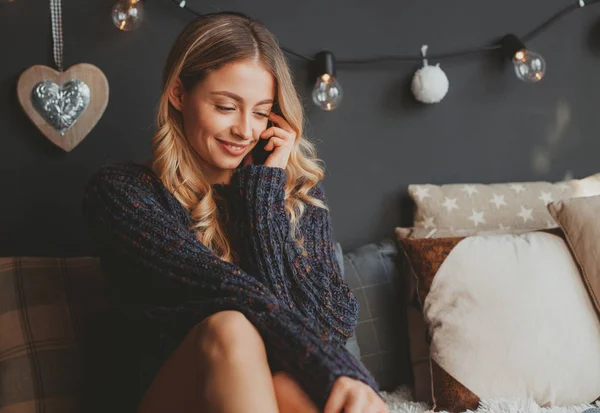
312 270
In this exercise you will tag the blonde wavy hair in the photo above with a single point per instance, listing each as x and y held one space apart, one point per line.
206 44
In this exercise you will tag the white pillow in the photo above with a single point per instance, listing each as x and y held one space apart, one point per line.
509 316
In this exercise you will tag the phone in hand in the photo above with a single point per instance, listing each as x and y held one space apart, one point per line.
259 154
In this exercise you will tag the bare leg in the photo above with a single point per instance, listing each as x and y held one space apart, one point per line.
221 366
237 377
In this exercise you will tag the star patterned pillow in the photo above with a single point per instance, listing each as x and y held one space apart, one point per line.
502 206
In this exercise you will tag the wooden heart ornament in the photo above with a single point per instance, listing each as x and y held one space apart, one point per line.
65 106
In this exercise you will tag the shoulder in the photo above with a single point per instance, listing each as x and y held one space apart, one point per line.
121 175
130 186
127 171
312 211
318 191
123 181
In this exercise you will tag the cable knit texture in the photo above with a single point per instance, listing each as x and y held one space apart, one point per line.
164 281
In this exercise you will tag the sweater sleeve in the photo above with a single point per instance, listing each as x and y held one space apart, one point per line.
314 273
129 223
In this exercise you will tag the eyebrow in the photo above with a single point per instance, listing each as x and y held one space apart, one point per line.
239 98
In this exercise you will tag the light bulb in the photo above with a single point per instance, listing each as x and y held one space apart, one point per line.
327 93
529 66
127 14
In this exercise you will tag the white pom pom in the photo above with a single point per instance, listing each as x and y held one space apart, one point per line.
430 84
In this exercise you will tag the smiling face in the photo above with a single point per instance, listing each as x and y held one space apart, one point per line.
224 115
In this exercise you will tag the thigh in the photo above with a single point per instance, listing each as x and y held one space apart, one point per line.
177 386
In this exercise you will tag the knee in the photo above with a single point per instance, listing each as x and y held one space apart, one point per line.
228 335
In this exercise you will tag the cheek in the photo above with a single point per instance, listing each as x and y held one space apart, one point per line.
199 124
191 121
211 123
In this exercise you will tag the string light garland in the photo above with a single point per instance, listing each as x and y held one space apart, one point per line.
440 56
529 66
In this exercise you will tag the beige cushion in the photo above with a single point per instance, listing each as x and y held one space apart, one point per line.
494 206
508 316
579 220
513 319
416 232
417 328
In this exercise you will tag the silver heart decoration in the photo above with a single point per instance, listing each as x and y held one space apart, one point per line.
60 106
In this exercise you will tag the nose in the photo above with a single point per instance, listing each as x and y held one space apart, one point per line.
243 128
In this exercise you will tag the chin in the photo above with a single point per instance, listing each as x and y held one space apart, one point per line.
231 163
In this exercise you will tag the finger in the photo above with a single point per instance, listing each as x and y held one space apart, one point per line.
279 121
274 142
335 402
275 131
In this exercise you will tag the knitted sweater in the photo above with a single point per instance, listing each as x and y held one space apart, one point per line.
165 279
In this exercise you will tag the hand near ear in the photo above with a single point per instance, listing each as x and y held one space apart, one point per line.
281 141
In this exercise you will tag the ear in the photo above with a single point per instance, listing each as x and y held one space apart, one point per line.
176 94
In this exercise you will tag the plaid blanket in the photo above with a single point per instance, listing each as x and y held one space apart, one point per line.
51 324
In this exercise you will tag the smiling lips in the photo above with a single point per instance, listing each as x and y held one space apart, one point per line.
231 148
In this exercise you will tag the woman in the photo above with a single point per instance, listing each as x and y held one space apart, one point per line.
222 266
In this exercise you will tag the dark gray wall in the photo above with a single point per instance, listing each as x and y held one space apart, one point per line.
490 128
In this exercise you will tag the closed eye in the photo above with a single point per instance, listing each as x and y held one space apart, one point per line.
228 109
